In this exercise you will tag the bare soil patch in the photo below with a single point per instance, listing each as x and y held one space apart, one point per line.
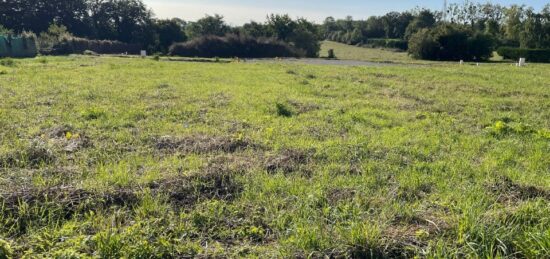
289 160
201 144
507 190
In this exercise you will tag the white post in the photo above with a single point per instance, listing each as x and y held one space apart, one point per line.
521 62
461 62
143 53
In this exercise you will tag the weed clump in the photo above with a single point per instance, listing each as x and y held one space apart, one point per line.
8 62
93 114
5 250
284 110
503 128
42 60
311 76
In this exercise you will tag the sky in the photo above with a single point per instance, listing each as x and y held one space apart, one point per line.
237 12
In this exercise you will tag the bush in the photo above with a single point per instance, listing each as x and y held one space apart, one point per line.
74 45
387 43
234 46
307 42
422 45
531 55
331 54
481 46
449 42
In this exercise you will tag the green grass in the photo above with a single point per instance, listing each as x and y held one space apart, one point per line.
110 157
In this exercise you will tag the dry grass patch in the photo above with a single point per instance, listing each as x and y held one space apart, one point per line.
201 144
507 190
289 160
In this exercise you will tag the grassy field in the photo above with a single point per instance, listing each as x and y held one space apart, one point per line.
120 157
348 52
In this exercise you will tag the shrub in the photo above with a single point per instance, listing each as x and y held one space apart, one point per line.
387 43
74 45
453 43
234 46
331 54
307 42
93 113
481 46
531 55
55 33
450 42
422 45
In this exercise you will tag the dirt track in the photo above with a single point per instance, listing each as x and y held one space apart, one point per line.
320 61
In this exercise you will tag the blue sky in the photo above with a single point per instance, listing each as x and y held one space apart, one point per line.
237 12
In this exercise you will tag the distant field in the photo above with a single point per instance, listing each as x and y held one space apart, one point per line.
344 51
121 157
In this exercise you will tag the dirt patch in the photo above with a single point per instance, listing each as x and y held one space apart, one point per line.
67 138
415 193
58 131
406 236
384 76
337 195
288 161
508 191
301 108
34 155
214 183
231 163
219 100
201 144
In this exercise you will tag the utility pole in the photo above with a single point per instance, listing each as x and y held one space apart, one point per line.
445 10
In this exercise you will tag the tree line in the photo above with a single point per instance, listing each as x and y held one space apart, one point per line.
515 25
478 28
469 30
130 21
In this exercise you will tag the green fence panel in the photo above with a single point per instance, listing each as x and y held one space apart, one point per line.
4 51
17 47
